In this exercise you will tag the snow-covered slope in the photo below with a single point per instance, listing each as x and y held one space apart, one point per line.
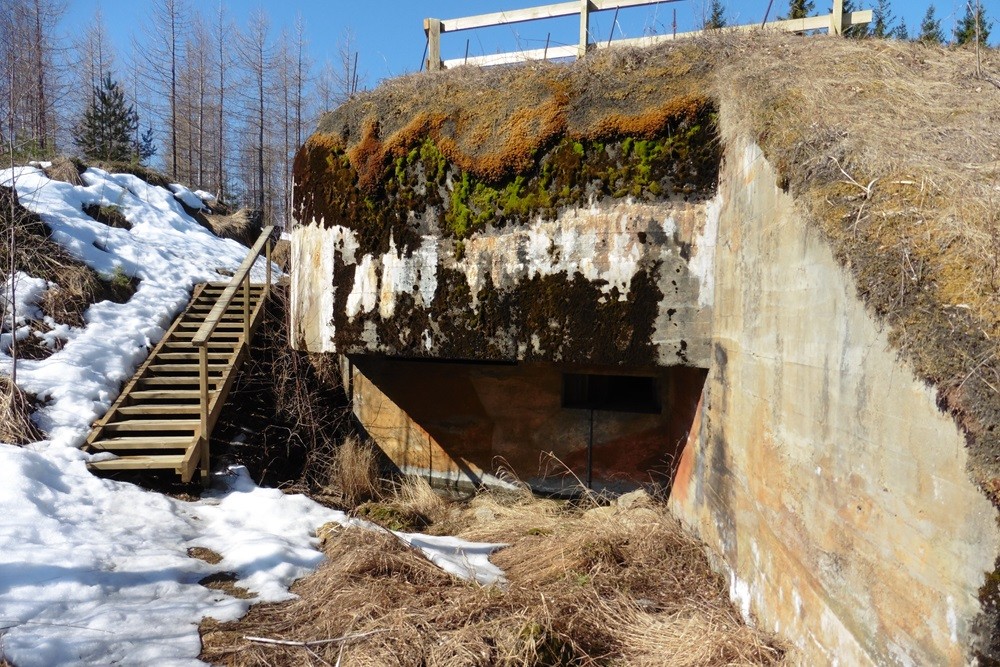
94 571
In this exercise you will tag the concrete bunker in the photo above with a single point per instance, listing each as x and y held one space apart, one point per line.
473 243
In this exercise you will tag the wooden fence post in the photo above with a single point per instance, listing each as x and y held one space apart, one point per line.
432 28
584 27
837 18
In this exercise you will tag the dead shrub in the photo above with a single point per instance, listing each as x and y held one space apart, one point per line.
354 472
67 170
16 427
287 411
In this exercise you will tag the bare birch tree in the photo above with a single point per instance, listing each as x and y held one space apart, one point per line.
256 56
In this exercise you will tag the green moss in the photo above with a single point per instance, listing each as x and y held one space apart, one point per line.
392 517
120 279
434 162
681 162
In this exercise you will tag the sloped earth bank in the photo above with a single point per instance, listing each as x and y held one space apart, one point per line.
585 584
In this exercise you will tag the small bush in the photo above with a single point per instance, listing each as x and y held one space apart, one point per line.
354 472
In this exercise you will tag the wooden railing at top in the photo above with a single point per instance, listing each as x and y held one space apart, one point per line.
835 22
201 339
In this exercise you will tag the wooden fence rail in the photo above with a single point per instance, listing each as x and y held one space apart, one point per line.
835 22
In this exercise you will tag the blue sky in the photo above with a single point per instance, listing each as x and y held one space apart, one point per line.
390 37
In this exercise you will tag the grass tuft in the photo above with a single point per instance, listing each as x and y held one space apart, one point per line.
16 427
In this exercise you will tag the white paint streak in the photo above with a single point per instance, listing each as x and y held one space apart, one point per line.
599 245
740 593
364 291
414 274
702 264
952 619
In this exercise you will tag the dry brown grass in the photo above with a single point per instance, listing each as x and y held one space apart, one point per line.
16 427
282 255
67 170
38 255
599 586
240 226
354 472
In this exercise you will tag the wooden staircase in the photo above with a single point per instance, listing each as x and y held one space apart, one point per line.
164 417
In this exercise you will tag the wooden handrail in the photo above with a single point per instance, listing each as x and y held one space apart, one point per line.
242 274
240 279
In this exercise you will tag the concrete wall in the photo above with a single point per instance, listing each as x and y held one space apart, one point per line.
465 423
824 477
615 283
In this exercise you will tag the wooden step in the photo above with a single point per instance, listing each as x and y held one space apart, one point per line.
221 326
192 367
156 394
218 336
200 316
175 344
132 425
191 356
162 409
126 443
175 380
156 462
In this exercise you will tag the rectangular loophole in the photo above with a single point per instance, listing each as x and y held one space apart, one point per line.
616 393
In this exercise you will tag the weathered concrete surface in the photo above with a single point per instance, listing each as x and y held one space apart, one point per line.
833 490
615 283
468 423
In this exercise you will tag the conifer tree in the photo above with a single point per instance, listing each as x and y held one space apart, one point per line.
716 16
930 29
882 19
901 32
799 9
965 31
109 127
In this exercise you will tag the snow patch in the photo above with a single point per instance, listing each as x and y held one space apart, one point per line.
190 199
94 571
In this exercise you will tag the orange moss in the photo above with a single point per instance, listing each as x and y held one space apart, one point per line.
651 122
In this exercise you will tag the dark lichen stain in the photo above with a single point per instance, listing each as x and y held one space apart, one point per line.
568 317
988 623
